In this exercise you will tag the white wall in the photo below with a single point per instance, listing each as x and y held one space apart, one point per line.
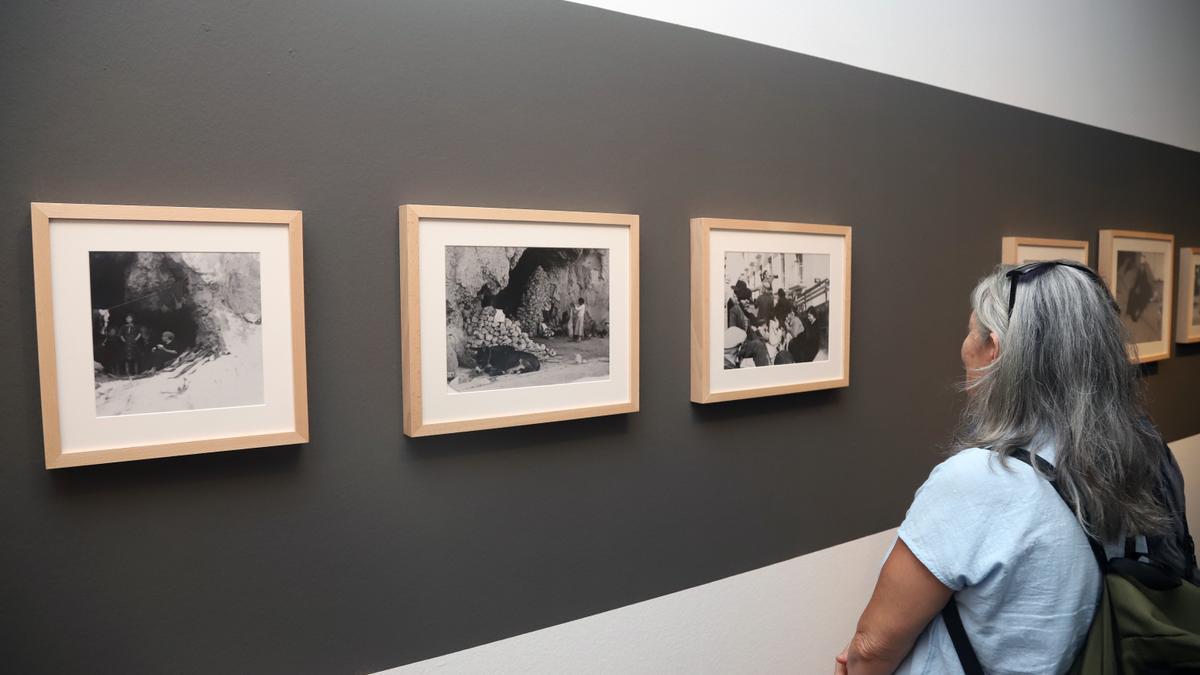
1187 453
776 619
791 617
1128 65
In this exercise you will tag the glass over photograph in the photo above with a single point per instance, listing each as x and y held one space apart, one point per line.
1140 293
175 331
776 309
523 317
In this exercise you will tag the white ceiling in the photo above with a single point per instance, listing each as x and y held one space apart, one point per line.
1127 65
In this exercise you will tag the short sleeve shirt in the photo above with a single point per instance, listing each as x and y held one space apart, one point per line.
1024 577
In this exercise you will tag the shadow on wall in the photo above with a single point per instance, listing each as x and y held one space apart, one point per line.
1185 351
556 437
767 405
166 474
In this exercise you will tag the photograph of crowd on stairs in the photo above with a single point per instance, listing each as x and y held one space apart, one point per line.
776 308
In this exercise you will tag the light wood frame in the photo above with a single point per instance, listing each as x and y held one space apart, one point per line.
1009 247
42 214
1104 268
411 216
701 387
1185 331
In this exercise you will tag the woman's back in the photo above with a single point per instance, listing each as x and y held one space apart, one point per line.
1025 578
1045 359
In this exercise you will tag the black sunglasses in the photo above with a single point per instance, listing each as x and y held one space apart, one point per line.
1031 270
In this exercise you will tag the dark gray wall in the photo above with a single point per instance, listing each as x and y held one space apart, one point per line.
363 549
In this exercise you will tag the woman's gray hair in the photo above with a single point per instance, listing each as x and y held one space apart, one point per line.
1063 376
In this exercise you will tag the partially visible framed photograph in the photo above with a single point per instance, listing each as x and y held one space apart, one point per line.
516 316
1022 250
1187 324
1138 268
168 331
770 308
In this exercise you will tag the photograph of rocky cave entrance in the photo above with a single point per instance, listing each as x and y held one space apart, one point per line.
175 331
523 317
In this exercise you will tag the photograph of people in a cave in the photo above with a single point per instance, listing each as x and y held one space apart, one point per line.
523 317
175 331
1140 293
776 309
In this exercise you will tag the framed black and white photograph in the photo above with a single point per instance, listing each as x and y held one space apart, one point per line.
776 308
1022 250
525 317
167 331
1187 324
515 316
175 330
1139 269
770 308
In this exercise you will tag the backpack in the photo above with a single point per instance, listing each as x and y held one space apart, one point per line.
1148 618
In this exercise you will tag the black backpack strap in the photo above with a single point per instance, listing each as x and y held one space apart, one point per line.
958 635
1046 468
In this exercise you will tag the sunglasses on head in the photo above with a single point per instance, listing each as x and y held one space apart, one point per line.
1031 270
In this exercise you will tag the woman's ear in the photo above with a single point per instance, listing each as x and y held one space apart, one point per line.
993 346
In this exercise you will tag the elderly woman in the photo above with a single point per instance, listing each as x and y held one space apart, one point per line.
1046 370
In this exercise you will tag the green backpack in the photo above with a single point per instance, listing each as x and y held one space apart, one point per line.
1148 619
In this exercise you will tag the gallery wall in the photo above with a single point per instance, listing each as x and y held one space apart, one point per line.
363 549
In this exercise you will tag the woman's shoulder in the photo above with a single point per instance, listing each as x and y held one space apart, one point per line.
978 471
968 462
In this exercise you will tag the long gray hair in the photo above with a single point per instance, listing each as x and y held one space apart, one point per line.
1063 376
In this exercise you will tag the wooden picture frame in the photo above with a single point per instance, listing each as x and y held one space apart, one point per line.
1138 268
1021 250
1187 323
768 245
433 329
71 238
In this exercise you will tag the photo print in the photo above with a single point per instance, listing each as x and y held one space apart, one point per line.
1139 293
776 308
1196 296
175 331
523 317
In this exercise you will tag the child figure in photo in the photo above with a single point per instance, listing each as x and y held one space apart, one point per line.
163 354
110 351
451 358
130 335
578 313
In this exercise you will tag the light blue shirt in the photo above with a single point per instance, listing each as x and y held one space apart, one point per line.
1025 578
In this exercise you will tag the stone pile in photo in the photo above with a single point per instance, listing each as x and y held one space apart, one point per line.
489 327
538 296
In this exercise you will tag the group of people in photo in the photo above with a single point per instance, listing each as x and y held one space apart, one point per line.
128 349
766 326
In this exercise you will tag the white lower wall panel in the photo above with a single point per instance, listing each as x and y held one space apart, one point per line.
791 617
779 618
1187 453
